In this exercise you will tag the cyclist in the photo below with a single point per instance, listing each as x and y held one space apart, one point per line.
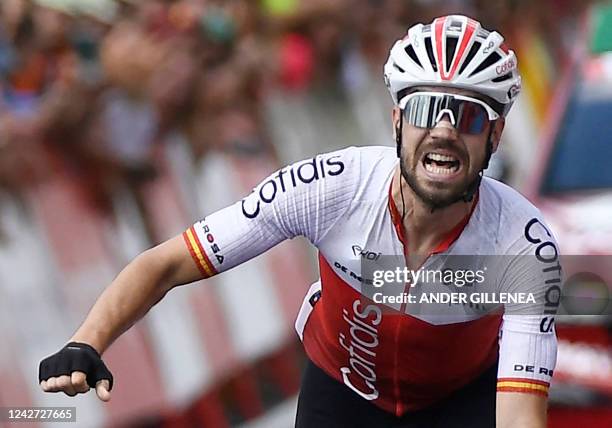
375 364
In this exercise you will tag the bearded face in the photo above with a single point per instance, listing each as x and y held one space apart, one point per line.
441 164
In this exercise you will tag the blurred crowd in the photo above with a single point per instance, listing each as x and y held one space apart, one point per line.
93 88
114 114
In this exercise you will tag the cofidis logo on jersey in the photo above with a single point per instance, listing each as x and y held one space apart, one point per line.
289 178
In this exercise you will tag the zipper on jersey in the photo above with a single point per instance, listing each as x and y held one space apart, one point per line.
451 237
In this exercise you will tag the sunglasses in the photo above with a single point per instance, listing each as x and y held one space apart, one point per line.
468 115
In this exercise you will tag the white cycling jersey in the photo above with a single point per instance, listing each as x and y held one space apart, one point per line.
399 355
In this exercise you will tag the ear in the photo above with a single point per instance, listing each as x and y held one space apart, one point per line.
498 128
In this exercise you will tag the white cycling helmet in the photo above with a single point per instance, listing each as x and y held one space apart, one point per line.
454 51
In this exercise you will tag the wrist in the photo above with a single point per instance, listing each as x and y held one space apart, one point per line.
96 345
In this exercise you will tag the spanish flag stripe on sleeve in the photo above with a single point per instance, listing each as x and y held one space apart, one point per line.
193 246
522 385
194 256
198 253
207 262
206 259
524 380
523 390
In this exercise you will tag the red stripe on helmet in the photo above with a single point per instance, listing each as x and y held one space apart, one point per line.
467 36
439 29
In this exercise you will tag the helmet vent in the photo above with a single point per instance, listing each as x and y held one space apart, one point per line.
455 26
503 78
430 53
483 33
412 54
398 68
471 54
489 61
451 47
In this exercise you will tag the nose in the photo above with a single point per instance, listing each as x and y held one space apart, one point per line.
444 129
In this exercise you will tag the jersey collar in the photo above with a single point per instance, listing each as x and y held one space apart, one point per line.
446 242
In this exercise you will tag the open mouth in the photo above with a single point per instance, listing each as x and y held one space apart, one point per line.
441 164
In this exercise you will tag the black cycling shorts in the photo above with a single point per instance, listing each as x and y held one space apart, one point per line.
326 403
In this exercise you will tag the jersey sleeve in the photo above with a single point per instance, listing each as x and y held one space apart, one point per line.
302 199
528 342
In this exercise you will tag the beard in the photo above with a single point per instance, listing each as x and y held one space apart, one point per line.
441 197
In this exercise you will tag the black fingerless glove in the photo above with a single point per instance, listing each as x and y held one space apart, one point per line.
76 357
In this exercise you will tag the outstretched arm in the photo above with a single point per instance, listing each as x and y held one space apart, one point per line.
304 199
128 298
139 286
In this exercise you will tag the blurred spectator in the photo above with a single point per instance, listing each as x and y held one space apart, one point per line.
101 82
92 88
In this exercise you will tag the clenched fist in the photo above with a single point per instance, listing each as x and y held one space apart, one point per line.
75 369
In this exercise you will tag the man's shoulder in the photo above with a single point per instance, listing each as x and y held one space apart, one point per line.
366 154
512 214
339 176
375 170
366 164
508 201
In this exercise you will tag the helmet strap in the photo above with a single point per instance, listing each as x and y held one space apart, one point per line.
468 196
489 148
398 136
398 143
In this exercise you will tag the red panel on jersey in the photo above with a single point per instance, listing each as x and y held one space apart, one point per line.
398 361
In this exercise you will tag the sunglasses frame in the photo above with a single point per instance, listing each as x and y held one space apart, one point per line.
492 114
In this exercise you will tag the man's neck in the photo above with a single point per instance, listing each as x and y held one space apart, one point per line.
425 230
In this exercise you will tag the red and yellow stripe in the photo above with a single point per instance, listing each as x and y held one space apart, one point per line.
531 386
198 254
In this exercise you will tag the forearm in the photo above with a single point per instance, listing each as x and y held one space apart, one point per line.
516 410
142 284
